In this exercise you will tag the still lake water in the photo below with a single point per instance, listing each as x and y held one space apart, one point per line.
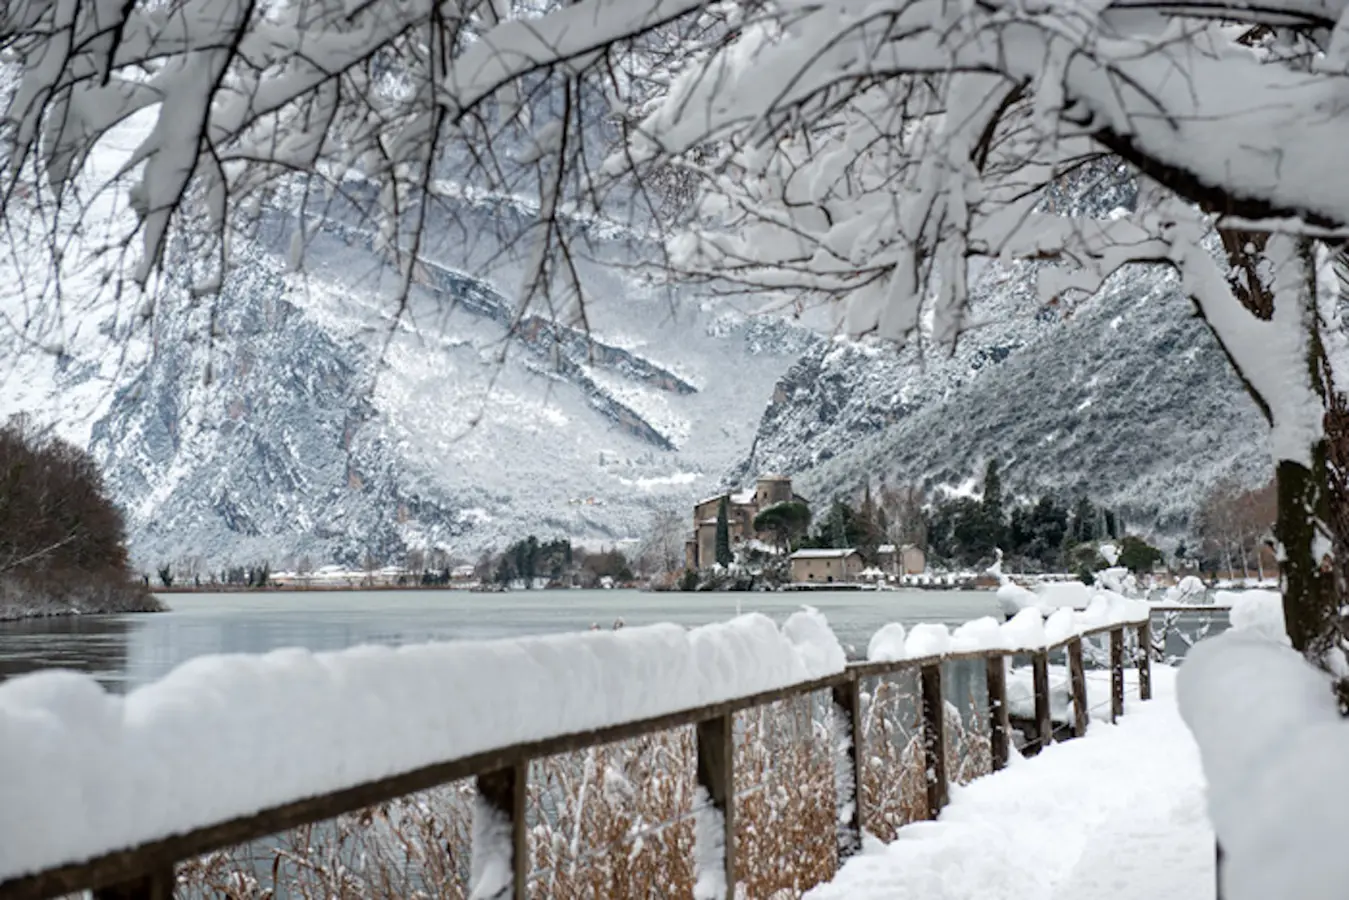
128 650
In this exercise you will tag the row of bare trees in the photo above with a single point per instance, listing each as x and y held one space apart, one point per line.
1235 526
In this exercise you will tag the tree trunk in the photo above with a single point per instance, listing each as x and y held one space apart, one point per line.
1312 522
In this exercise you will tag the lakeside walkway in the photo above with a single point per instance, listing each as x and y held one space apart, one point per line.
1059 826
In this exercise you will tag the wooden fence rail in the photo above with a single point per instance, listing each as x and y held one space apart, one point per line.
146 872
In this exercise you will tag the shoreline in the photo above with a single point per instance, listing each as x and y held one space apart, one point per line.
54 611
352 588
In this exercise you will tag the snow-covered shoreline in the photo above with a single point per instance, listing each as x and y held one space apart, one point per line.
18 602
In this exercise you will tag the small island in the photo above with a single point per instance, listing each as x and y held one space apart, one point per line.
62 541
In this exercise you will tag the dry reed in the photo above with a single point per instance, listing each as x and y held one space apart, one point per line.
617 821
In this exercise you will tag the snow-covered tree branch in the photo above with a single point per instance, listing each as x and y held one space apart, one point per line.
857 154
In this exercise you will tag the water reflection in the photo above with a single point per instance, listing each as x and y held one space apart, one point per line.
124 651
96 645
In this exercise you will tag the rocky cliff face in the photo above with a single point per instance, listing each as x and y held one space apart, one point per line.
308 415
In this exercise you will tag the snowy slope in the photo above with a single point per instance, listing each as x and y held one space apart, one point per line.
1125 396
305 415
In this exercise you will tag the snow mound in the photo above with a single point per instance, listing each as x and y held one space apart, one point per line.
1276 759
887 644
87 772
1045 596
1012 598
979 634
927 639
1257 611
1188 590
1027 630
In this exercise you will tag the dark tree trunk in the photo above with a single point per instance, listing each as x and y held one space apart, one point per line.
1312 522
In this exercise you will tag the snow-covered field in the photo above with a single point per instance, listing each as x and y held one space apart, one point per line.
1116 815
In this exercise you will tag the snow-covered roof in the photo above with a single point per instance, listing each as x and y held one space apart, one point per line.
743 498
773 476
823 554
886 548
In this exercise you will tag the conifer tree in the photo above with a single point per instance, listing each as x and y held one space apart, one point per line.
838 527
724 557
994 523
868 533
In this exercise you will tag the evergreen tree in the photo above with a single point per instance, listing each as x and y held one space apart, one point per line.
838 526
787 521
724 557
883 524
1137 555
994 523
1111 526
868 534
1084 521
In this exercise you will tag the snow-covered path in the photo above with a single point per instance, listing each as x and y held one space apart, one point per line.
1118 814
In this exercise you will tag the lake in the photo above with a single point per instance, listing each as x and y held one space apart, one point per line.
127 650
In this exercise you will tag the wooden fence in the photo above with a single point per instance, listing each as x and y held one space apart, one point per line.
146 872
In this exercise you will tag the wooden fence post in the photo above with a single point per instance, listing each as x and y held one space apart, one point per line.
504 791
1145 659
156 886
1040 678
1079 685
934 739
716 776
848 707
1000 729
1116 673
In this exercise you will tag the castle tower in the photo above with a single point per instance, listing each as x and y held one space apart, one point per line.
772 489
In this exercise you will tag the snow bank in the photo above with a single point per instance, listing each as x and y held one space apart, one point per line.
1276 757
1056 594
1116 815
1012 598
1257 611
1027 630
1045 596
86 772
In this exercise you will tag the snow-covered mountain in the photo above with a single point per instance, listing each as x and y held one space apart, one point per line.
1126 397
313 415
310 415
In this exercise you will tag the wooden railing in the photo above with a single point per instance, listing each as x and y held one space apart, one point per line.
146 872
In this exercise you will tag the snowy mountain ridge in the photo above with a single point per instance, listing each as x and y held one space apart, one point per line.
1125 397
312 415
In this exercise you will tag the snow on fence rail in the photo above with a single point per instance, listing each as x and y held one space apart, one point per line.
107 793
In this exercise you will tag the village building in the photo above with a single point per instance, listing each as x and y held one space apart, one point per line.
826 566
905 560
700 551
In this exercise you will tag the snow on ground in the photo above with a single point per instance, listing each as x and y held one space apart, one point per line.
86 772
1117 815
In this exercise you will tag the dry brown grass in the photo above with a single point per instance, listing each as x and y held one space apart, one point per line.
617 821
